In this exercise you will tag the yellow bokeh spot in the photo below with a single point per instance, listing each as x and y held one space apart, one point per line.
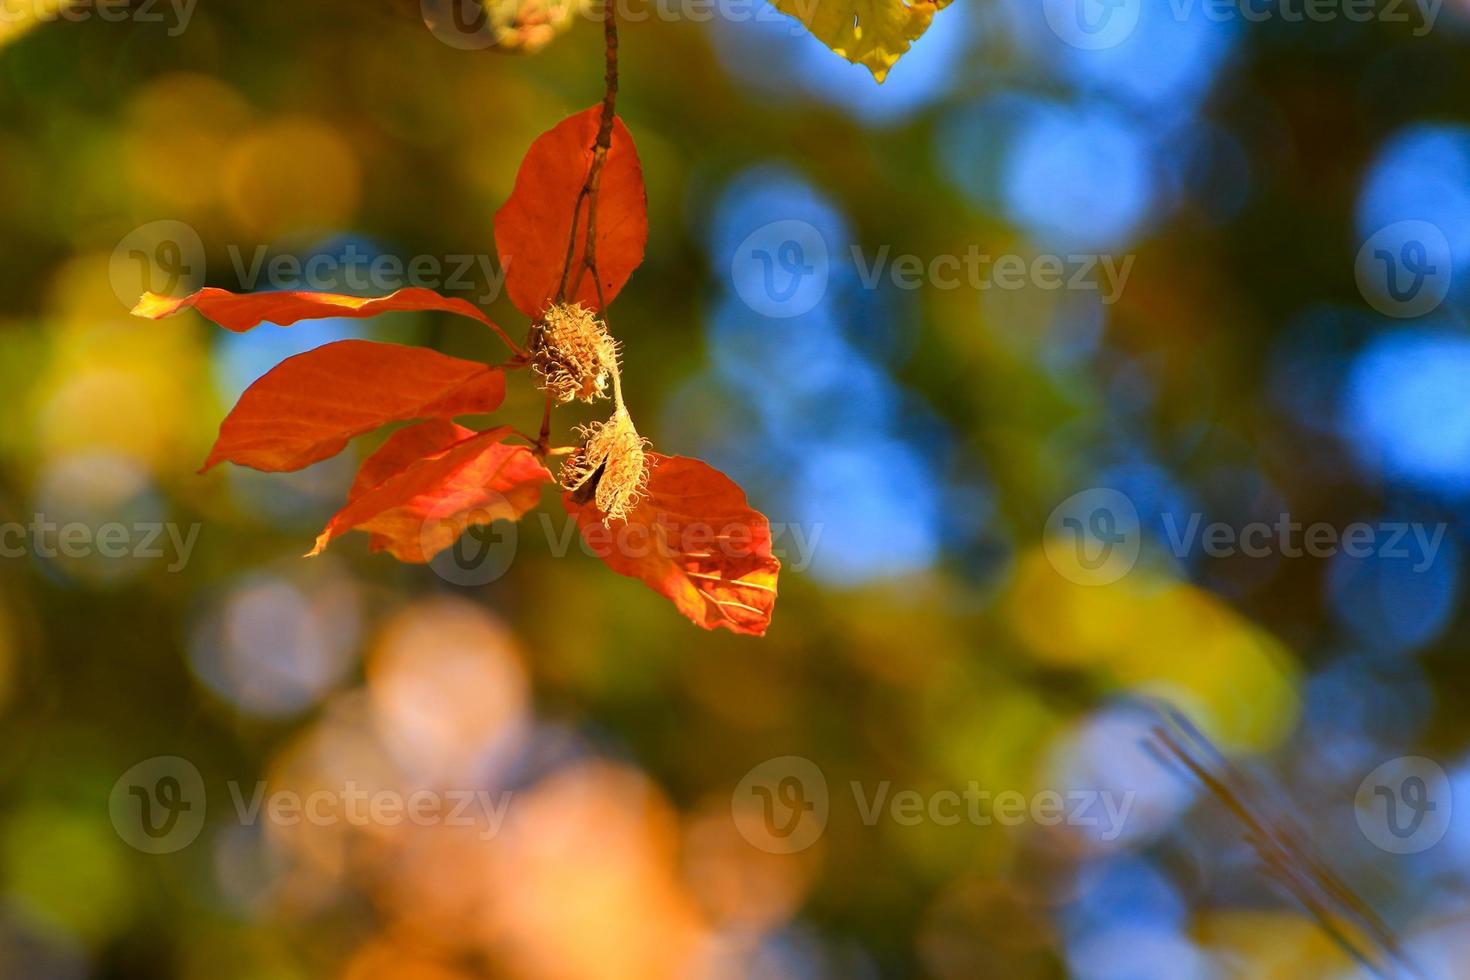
179 134
19 17
291 175
110 383
1157 636
67 870
1271 945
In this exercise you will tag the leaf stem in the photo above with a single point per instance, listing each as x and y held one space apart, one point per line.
589 193
593 184
521 357
544 440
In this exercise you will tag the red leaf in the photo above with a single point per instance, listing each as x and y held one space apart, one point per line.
423 507
308 406
401 450
694 539
533 229
404 448
244 311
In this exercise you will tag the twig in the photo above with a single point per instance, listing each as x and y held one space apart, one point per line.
1339 912
600 147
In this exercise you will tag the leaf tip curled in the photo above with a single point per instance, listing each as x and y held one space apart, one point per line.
153 306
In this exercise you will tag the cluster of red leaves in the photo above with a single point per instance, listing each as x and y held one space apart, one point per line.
692 538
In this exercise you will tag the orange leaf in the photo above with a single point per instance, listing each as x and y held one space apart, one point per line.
534 228
404 448
401 450
245 311
423 507
306 408
694 539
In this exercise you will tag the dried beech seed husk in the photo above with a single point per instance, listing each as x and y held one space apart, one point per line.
611 469
573 354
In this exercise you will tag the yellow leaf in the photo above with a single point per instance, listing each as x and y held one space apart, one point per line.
874 33
19 16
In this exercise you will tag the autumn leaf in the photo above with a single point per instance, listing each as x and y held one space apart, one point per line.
404 448
534 228
432 481
694 539
244 311
872 33
306 408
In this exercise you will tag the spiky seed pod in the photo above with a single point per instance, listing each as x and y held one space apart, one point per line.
611 468
573 354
